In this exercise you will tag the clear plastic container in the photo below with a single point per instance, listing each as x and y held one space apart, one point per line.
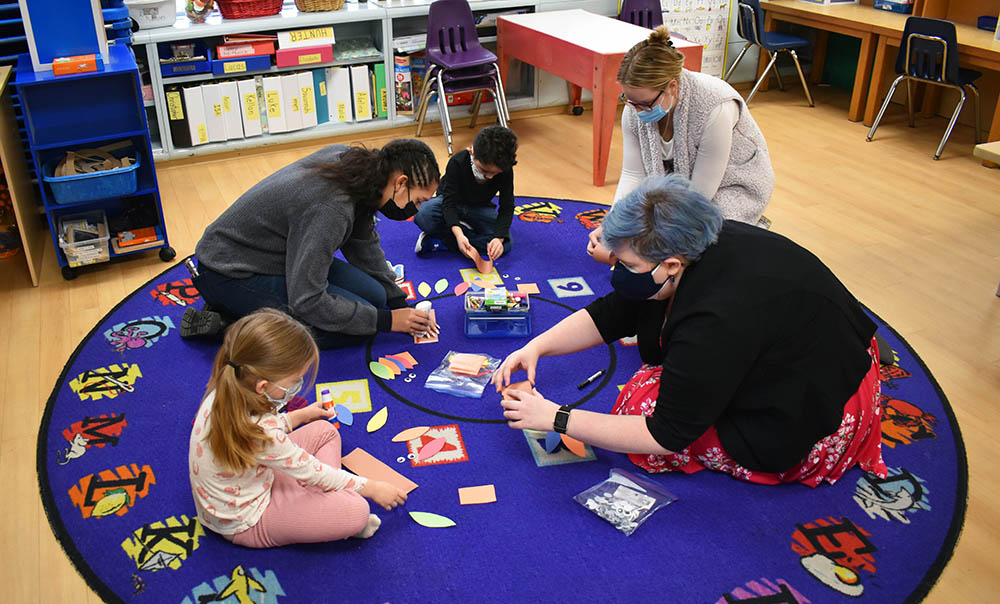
90 251
481 322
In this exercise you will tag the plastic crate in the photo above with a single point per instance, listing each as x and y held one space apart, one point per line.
92 251
506 323
88 187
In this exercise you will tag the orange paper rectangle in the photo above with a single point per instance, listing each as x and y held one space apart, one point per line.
481 494
528 288
362 463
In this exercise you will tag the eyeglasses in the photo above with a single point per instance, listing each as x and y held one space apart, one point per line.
640 106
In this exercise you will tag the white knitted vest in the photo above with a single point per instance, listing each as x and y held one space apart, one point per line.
748 180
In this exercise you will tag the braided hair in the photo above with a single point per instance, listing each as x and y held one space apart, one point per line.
652 63
363 173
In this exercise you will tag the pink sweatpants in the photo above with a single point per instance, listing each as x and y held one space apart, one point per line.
306 514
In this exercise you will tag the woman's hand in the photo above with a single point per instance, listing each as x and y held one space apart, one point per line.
528 410
494 249
525 358
413 321
383 494
466 247
596 250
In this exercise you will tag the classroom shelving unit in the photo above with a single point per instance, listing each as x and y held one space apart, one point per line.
379 20
89 110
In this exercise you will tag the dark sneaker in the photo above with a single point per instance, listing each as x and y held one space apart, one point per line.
199 323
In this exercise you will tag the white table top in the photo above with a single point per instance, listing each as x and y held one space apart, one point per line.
600 34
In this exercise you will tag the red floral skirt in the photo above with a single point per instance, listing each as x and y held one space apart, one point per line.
858 440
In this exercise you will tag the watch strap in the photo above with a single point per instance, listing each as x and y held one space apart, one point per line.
562 419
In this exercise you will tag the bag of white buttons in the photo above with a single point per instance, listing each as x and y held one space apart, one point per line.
624 499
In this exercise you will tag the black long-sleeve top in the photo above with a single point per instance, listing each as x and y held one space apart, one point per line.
459 187
761 341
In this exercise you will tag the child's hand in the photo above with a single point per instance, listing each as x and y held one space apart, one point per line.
383 494
318 411
495 248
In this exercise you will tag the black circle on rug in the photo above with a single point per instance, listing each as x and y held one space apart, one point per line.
112 467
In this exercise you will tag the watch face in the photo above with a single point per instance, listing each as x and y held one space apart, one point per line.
562 418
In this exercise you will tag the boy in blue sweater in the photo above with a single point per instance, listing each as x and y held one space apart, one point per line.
462 216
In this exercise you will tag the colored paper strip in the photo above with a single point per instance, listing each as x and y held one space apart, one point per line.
578 448
431 449
362 463
431 520
380 370
461 288
344 415
391 366
481 494
410 434
378 420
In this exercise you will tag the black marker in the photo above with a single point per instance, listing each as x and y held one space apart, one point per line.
590 380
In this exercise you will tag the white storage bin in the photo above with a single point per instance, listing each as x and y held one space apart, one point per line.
152 13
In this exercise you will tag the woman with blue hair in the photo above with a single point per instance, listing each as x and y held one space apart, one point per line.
757 361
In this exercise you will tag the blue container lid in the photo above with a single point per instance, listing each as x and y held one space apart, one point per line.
115 14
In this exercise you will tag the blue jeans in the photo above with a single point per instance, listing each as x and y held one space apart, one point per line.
482 219
234 298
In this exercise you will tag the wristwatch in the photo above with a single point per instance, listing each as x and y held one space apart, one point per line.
562 418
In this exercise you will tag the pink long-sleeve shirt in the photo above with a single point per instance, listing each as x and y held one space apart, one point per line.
231 502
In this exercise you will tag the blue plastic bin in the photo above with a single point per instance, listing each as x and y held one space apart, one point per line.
88 187
496 324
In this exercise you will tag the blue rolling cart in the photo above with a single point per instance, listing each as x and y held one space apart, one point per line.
92 110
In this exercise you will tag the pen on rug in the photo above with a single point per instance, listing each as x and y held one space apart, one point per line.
589 380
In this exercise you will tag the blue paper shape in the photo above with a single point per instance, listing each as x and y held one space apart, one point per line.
402 367
552 441
344 415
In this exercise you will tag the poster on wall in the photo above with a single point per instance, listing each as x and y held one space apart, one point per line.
702 21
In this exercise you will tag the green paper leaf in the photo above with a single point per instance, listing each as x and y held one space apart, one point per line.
441 285
380 370
431 520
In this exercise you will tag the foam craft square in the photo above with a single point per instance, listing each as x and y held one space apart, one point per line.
353 394
528 288
471 275
569 287
482 494
362 463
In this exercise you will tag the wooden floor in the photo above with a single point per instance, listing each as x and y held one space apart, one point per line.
916 240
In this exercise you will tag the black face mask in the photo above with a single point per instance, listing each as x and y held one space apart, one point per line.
393 212
636 286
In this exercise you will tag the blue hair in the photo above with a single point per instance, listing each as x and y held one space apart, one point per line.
663 217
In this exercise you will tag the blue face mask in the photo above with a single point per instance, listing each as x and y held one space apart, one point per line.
652 115
636 286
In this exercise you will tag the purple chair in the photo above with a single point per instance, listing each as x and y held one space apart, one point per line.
644 13
458 63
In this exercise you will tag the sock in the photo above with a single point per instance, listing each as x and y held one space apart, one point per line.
373 523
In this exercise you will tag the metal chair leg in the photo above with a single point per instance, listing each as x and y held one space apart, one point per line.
910 109
474 110
503 93
978 107
767 71
951 124
739 58
805 86
885 104
424 99
445 117
500 113
777 72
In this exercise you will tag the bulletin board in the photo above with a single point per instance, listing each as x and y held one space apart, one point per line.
702 21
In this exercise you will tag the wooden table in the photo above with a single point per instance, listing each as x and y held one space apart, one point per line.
585 49
976 47
852 20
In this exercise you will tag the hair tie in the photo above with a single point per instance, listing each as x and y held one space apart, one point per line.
670 43
235 367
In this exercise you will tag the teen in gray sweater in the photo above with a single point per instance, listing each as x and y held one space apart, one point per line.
274 246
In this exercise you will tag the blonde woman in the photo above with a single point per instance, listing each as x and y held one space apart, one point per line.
258 478
691 124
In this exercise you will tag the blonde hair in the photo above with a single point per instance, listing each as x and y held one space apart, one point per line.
268 345
652 63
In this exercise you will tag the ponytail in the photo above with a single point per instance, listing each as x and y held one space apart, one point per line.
269 345
652 63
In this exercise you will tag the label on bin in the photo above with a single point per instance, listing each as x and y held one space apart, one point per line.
273 103
307 99
307 59
217 109
250 104
202 133
234 67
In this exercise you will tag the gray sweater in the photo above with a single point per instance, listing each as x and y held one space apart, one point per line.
291 224
749 178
